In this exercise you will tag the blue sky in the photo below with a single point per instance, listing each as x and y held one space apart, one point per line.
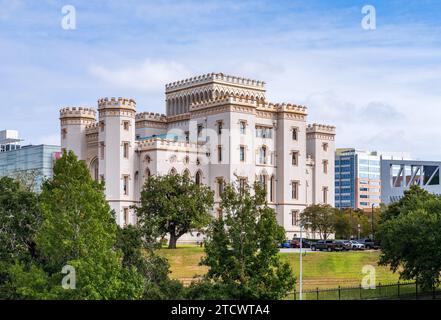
381 88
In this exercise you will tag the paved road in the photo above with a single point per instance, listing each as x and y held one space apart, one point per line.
295 250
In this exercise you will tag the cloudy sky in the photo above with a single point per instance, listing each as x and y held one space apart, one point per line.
381 88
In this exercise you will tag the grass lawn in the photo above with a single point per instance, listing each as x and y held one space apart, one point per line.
320 269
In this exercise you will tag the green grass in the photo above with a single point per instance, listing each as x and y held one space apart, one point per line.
320 269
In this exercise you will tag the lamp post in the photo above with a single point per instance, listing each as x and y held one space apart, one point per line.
358 232
300 265
372 221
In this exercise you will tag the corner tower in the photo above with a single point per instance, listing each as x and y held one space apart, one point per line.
116 152
73 129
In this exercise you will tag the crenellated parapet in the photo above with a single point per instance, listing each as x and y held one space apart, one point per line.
92 128
117 107
171 145
320 131
151 120
214 77
77 115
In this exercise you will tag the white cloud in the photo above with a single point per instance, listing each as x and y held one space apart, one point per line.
149 75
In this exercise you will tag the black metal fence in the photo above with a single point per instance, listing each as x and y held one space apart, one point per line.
399 290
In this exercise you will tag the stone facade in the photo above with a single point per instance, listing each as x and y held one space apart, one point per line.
217 128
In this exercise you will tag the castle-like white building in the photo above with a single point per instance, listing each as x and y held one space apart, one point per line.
217 128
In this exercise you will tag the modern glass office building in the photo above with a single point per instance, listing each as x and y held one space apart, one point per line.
18 160
358 178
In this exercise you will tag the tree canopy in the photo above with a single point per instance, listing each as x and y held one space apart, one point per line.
410 237
241 251
173 205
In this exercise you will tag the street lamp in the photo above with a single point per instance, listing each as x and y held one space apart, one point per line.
358 232
300 265
372 220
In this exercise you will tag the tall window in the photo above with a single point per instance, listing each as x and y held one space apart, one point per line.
126 125
243 127
295 217
198 177
262 158
219 213
126 150
295 158
325 166
220 186
264 132
219 154
295 132
263 181
200 127
126 216
242 153
102 125
126 185
95 169
242 183
325 195
295 190
64 133
325 146
272 188
219 127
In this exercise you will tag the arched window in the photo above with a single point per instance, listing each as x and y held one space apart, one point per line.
173 171
147 159
262 155
147 173
198 177
272 189
263 181
94 169
187 173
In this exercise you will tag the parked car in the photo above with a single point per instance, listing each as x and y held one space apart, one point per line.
285 245
295 243
355 245
327 245
369 244
346 244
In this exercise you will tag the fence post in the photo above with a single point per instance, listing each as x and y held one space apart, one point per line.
317 293
433 292
339 293
416 289
379 287
295 294
398 287
360 292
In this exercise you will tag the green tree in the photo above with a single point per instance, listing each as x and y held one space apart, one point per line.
154 269
78 230
242 253
175 205
319 218
410 237
20 218
342 225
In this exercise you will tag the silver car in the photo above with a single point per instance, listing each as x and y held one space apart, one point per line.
356 245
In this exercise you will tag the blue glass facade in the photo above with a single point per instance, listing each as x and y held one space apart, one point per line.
29 158
345 173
